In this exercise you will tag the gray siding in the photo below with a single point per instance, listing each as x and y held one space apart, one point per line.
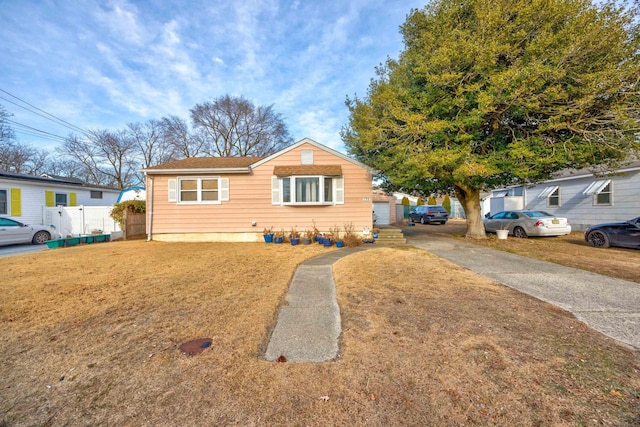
581 209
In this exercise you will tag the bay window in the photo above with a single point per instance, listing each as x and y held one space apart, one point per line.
308 190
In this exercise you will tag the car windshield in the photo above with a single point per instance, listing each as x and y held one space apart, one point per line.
536 214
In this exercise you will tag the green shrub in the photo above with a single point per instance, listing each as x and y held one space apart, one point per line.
431 201
405 201
446 203
135 206
420 201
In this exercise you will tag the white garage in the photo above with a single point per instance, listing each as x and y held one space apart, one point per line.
382 213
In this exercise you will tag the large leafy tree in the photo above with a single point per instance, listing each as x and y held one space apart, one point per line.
491 93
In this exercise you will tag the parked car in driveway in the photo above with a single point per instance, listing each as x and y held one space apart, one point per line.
525 223
623 234
428 214
14 232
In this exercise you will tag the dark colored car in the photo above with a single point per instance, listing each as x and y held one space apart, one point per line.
428 214
623 234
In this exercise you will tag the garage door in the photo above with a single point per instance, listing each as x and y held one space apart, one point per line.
381 213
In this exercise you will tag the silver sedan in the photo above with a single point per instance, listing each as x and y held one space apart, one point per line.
14 232
524 223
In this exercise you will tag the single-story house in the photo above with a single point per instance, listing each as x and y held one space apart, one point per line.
234 198
583 197
132 193
25 197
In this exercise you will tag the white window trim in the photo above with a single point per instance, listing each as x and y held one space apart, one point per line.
337 188
174 190
549 205
600 190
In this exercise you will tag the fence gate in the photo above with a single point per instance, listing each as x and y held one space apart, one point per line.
135 225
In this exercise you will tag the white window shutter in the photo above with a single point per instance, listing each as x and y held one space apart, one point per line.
224 189
339 189
275 191
172 191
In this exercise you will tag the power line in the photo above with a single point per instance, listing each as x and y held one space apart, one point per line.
47 115
44 134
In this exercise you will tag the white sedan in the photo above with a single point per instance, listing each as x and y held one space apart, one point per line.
524 223
14 232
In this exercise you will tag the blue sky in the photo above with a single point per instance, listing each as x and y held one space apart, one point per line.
101 65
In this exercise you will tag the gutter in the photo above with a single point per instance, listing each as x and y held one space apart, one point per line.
150 205
197 171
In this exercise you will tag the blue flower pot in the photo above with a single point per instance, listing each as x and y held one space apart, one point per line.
268 238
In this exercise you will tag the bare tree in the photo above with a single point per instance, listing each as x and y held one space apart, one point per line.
15 156
176 134
151 143
233 126
104 157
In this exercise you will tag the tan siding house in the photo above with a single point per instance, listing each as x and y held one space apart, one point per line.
234 199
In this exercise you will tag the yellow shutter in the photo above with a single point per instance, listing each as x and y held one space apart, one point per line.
72 199
16 207
50 198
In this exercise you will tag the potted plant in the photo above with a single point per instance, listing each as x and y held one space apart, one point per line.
267 234
308 235
294 236
278 236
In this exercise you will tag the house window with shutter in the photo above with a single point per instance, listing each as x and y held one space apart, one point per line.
61 199
3 202
199 190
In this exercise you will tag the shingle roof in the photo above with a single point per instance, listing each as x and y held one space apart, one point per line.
208 163
331 170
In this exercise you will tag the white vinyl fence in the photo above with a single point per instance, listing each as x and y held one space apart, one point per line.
77 220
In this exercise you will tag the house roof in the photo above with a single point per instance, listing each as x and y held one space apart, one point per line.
50 180
204 164
331 170
243 164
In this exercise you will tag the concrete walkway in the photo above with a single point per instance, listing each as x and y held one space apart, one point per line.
308 325
608 305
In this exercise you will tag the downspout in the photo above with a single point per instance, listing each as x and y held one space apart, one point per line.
149 204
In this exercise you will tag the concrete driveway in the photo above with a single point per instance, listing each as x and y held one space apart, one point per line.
20 249
608 305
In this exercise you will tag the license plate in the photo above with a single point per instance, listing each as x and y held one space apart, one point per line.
555 221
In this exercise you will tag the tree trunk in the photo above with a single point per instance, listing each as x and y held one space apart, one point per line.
470 200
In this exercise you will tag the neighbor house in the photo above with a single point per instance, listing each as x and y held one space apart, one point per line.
583 197
233 199
25 198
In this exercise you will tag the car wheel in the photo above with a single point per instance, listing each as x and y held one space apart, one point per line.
443 222
40 238
520 233
598 239
422 221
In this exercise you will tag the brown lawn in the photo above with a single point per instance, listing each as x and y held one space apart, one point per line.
90 335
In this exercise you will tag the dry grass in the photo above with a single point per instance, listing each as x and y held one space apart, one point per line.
90 335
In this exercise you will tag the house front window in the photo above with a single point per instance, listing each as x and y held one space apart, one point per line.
554 198
604 197
198 190
3 202
308 190
61 199
601 191
96 194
